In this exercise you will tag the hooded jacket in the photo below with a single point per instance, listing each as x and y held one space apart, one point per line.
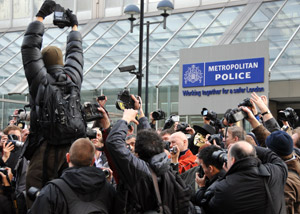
37 74
88 183
133 172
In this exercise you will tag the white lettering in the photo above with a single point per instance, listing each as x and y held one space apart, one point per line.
241 76
248 75
224 76
217 76
211 68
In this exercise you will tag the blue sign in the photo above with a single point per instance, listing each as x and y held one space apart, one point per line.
230 72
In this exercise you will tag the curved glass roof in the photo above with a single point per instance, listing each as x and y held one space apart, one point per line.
110 45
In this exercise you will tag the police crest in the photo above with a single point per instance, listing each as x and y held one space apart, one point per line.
193 74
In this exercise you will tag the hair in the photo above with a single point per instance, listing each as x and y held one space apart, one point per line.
11 128
237 131
82 152
130 137
206 156
169 131
240 151
297 131
148 143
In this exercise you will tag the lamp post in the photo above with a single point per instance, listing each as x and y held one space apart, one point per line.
165 6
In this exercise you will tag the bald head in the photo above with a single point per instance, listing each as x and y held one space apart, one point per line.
180 140
81 152
242 149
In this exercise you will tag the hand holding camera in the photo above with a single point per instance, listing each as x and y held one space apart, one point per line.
72 17
7 148
46 9
6 176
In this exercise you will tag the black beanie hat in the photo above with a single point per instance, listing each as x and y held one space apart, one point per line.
52 56
280 142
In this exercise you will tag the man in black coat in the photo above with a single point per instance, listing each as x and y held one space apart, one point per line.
252 173
86 181
47 161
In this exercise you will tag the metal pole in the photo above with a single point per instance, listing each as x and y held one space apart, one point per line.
141 48
147 70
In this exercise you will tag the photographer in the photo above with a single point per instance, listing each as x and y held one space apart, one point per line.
212 166
50 83
6 192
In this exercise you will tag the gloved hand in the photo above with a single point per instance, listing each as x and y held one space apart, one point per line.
72 17
47 8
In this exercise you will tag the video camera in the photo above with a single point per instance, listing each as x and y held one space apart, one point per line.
124 100
14 140
60 17
289 115
91 111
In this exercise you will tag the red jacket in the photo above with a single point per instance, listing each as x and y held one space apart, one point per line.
187 161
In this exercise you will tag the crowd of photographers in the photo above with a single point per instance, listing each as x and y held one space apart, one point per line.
227 169
55 164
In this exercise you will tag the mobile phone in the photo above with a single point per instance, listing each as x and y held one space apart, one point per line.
101 97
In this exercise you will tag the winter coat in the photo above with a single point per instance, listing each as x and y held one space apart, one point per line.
243 191
38 75
88 183
292 186
133 172
186 161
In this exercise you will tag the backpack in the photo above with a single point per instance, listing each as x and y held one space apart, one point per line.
174 192
61 119
76 205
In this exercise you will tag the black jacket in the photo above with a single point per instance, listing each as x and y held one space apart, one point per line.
37 74
86 182
243 191
133 172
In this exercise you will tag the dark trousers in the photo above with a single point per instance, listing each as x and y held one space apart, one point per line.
34 176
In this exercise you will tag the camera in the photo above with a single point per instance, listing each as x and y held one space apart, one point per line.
33 193
60 17
173 150
101 97
246 102
236 115
106 173
91 111
91 134
158 115
210 115
166 145
3 170
170 122
220 156
289 115
124 100
181 127
21 116
14 140
216 137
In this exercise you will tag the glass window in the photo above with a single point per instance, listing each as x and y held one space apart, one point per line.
5 9
282 28
85 5
287 67
186 3
67 3
258 21
21 8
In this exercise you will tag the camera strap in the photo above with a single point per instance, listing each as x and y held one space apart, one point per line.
156 188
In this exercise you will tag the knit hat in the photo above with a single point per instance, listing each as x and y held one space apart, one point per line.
52 56
280 142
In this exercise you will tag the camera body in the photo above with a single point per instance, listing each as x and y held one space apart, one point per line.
210 115
236 115
173 150
33 193
158 115
246 102
90 133
124 100
166 145
220 156
14 140
60 17
289 115
3 170
91 111
216 137
181 127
